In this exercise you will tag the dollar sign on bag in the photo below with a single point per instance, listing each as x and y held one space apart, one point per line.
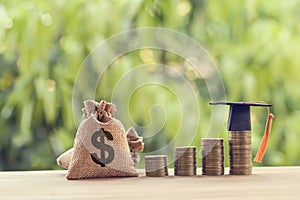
103 160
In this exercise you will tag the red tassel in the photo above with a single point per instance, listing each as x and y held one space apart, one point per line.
264 142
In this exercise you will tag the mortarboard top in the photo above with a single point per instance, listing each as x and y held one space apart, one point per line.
239 115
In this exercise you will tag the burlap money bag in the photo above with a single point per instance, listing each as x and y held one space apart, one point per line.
100 149
135 142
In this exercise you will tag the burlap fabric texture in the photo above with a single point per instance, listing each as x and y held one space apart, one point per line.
100 147
135 142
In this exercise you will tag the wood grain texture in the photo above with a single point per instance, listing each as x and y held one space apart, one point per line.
265 183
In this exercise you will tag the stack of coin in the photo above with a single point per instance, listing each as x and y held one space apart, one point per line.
212 151
240 153
185 161
156 166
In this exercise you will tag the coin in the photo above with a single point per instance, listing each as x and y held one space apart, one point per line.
241 171
185 161
213 172
212 151
156 166
185 149
212 141
240 152
239 143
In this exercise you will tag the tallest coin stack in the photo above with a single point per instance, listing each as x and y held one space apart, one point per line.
240 153
239 127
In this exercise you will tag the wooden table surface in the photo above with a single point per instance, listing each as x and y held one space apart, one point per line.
265 183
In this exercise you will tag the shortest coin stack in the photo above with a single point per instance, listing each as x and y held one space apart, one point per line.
185 161
212 151
156 166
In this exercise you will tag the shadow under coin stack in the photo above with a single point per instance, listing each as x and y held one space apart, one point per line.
240 153
185 161
212 151
156 166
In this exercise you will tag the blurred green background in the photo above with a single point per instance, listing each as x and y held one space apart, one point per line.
255 45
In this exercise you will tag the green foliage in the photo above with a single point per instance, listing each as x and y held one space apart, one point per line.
43 43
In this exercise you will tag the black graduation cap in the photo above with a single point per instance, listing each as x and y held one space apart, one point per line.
239 115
